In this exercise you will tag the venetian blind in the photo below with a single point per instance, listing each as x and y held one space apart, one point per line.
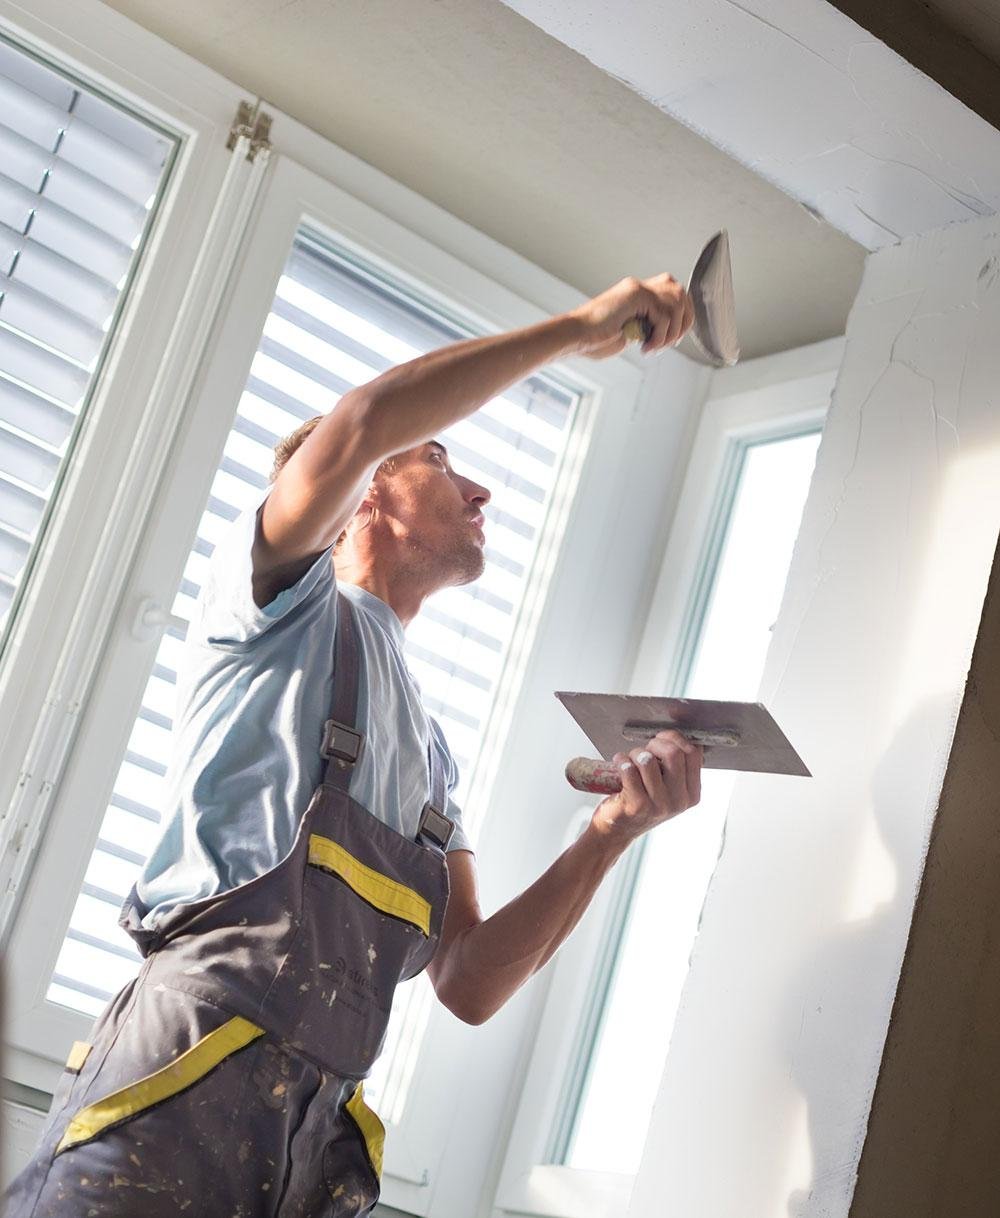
78 180
334 325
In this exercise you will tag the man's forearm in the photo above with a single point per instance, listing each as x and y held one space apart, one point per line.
492 959
410 404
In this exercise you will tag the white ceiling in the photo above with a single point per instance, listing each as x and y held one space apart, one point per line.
483 113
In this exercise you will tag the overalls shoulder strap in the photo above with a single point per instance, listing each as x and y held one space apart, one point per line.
342 741
435 825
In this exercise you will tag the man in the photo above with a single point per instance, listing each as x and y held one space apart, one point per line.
311 856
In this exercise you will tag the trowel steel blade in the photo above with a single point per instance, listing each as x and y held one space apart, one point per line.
746 736
712 339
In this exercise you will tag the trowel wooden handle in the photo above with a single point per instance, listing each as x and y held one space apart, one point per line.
636 330
601 777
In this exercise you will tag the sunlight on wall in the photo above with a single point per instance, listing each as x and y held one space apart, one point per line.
963 529
873 881
798 1168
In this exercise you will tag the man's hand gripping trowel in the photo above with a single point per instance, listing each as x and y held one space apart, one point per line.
712 338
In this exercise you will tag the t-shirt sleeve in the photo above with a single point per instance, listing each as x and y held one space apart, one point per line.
227 615
459 839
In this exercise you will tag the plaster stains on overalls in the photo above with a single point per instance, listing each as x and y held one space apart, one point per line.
225 1080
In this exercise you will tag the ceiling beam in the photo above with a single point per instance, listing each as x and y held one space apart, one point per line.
800 93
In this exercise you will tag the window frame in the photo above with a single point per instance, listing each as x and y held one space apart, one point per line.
770 398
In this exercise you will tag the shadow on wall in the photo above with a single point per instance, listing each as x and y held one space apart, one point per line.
850 975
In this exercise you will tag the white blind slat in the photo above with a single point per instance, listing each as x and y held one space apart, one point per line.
37 416
40 318
91 150
42 370
98 203
143 141
24 458
31 116
23 162
21 507
60 280
27 72
80 241
17 203
13 553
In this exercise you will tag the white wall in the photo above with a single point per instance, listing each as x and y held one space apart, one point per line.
764 1103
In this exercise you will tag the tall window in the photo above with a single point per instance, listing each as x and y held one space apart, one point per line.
730 619
335 324
79 180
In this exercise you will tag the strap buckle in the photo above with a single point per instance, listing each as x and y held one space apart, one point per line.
436 826
340 741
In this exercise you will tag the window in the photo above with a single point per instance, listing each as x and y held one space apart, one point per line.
607 1126
333 324
79 182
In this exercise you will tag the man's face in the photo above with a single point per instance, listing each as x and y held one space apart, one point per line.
436 514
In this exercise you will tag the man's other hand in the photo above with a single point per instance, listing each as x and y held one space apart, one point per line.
660 779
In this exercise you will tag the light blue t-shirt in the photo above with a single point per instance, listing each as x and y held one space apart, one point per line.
254 692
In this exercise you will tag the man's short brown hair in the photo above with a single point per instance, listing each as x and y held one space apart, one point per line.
285 447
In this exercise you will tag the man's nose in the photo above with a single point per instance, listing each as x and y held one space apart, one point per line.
475 493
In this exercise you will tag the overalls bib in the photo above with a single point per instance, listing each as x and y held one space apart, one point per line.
225 1080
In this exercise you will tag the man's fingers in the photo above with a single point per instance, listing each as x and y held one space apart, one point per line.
688 313
648 766
657 335
682 760
676 327
632 785
672 320
694 762
672 736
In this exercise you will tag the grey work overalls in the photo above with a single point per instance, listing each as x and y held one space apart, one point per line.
225 1080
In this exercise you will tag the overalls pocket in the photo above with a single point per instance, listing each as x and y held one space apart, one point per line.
383 893
352 1161
184 1072
366 929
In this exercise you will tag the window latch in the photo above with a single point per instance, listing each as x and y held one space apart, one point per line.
151 618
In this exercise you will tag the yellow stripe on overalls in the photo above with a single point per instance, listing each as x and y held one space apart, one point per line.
186 1070
372 1129
372 886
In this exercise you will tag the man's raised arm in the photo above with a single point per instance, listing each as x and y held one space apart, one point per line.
323 483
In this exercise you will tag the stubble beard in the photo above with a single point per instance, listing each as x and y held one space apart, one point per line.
461 562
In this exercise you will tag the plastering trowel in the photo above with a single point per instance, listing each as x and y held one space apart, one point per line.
712 338
736 735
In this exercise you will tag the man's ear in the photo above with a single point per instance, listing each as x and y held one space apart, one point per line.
367 507
370 502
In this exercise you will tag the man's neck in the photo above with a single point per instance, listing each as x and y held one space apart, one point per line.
400 594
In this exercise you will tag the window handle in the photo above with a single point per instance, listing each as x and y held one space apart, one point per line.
151 619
